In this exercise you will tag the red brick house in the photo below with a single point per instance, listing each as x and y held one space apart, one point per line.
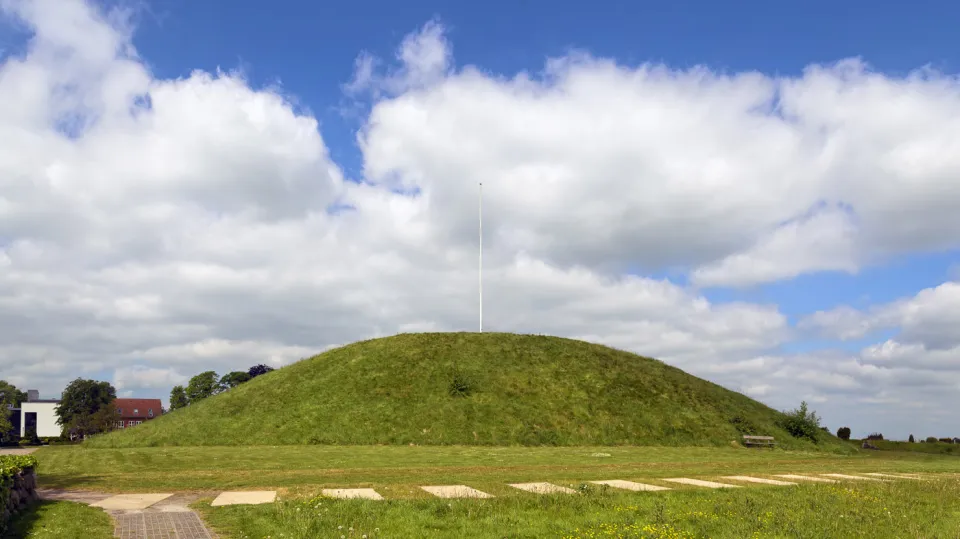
132 412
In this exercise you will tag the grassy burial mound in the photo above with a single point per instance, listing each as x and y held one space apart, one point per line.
468 389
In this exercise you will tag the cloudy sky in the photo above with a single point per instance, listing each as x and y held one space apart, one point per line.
770 202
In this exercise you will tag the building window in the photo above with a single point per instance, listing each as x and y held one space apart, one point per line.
133 423
135 411
150 412
119 424
119 411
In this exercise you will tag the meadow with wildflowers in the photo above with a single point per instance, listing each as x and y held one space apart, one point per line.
153 469
915 509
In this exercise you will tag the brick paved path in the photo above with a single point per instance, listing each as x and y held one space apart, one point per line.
179 525
170 518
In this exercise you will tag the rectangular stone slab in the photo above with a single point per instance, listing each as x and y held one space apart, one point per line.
630 485
129 502
456 491
844 476
806 478
351 493
700 483
543 488
252 497
760 480
897 476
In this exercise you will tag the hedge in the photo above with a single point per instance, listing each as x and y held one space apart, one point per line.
10 468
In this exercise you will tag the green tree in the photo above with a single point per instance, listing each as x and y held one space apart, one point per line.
911 440
802 423
258 370
233 379
178 398
80 401
105 419
206 384
10 397
843 433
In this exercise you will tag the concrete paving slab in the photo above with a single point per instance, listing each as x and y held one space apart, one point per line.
760 480
178 503
352 493
845 476
807 478
896 476
630 485
129 502
700 483
456 491
251 497
17 450
543 488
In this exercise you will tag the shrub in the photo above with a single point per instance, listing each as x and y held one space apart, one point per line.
52 439
843 433
30 438
460 385
10 466
931 439
875 436
743 425
801 423
258 370
11 439
911 440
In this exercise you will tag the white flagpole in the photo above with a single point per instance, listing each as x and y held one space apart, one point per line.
481 257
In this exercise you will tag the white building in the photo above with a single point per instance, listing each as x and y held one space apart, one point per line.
39 414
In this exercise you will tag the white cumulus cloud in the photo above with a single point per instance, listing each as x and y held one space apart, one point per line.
153 228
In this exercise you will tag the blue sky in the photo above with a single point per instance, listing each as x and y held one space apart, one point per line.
809 253
311 47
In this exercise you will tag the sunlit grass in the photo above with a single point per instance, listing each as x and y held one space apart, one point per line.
896 509
61 520
523 390
298 467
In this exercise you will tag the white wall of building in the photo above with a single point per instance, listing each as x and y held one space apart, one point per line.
46 418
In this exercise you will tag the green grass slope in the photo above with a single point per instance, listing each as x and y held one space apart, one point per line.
527 390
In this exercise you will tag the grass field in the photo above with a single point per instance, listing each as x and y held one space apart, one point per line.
523 390
61 520
397 470
897 509
939 448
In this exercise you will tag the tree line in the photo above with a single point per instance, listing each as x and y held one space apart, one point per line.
208 383
86 407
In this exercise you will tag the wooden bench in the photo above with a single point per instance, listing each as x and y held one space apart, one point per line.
762 441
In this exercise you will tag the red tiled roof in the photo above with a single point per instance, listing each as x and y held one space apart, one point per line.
142 407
